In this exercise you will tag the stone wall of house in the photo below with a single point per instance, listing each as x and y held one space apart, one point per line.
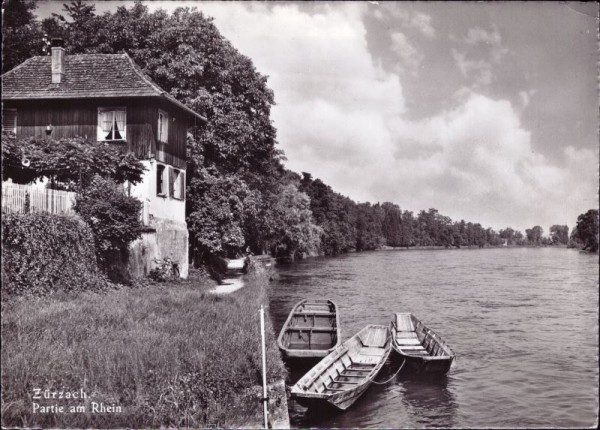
168 239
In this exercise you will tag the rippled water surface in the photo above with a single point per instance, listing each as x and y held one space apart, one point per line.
522 322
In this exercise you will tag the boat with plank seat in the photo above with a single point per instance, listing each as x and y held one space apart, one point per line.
346 373
421 347
312 330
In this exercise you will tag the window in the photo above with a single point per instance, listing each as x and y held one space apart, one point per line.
160 180
111 123
163 126
9 120
177 184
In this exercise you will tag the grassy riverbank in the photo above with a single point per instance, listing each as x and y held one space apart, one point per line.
167 355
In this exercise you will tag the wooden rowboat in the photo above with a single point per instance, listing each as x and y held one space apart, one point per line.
312 330
423 349
346 373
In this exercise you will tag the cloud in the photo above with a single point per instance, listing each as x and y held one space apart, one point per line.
414 20
410 57
479 51
525 97
479 70
342 118
481 158
493 40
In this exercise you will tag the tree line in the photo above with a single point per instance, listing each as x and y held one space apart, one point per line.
348 226
239 195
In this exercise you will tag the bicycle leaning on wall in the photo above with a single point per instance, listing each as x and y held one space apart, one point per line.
165 270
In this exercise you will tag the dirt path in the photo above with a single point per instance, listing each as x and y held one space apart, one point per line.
233 279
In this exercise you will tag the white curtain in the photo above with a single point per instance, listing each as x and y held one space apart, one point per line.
120 125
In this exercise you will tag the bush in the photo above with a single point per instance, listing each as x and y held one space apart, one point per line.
45 253
113 217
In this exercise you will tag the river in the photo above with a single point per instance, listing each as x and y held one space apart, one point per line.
523 323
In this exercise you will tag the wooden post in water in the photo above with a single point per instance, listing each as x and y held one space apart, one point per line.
264 365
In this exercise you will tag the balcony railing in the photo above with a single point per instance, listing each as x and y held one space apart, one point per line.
18 198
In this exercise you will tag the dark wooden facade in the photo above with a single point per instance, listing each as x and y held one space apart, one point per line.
72 118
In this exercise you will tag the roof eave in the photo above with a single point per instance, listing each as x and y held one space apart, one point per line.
184 107
163 95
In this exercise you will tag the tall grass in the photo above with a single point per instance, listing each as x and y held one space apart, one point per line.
167 355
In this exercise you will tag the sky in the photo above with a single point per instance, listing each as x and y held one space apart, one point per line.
487 112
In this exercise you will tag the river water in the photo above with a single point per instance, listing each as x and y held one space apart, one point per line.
523 323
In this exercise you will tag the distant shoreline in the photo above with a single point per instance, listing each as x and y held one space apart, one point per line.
440 247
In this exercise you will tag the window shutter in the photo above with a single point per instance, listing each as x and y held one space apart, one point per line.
160 180
163 127
100 127
160 124
171 182
182 186
9 120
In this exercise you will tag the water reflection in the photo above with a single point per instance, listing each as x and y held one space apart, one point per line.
428 398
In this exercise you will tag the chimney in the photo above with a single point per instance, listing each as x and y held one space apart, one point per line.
58 61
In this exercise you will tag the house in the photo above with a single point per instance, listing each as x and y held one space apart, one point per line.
108 98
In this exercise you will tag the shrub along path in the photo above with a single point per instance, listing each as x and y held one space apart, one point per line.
167 355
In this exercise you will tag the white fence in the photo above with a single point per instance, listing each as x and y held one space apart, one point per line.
18 198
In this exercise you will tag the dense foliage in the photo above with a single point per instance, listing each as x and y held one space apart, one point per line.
350 226
535 235
113 217
559 234
290 229
21 34
218 211
44 253
68 163
586 231
95 170
334 213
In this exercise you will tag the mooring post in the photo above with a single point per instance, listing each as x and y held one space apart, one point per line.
264 365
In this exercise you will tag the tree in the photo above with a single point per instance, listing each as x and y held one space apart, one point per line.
334 213
408 229
21 33
519 238
509 235
559 234
290 227
534 235
392 224
368 227
587 230
217 209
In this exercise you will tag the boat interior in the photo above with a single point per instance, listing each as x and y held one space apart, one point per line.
313 325
414 339
350 363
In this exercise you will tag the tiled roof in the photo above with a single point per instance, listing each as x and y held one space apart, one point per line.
86 76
